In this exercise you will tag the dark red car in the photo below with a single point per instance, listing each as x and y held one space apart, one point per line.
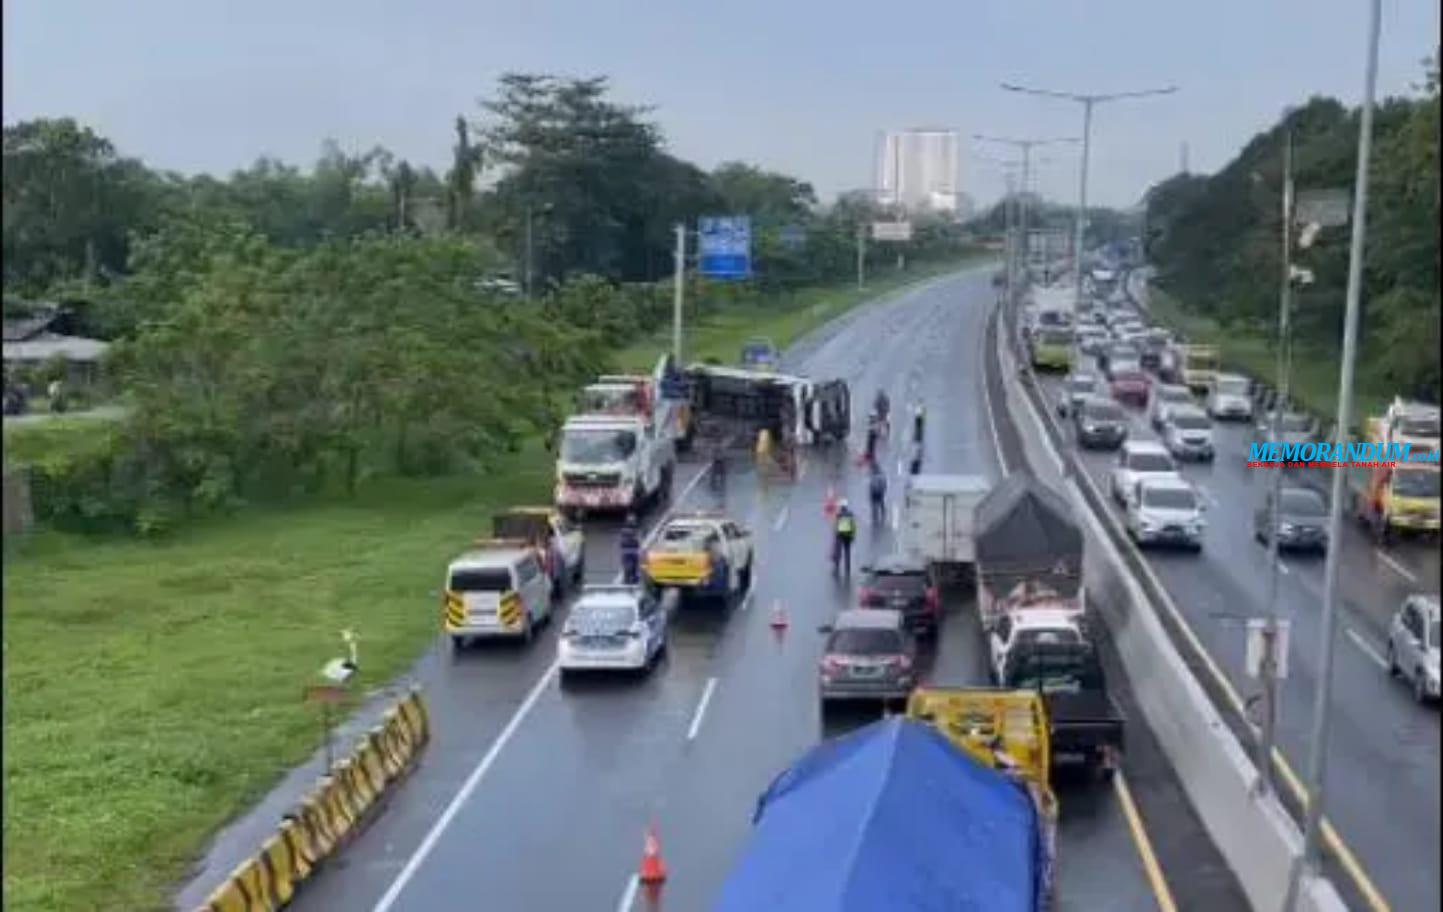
1130 387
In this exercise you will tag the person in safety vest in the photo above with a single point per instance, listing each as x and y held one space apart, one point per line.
630 552
846 531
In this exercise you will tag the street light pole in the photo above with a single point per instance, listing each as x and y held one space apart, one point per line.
1087 101
676 294
1318 762
1025 145
1269 669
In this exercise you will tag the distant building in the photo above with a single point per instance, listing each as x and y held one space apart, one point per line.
917 170
38 337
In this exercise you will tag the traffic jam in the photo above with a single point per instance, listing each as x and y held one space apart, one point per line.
1157 405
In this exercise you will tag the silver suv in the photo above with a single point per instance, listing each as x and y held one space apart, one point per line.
1413 645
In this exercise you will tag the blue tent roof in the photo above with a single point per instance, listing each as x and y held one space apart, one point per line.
890 817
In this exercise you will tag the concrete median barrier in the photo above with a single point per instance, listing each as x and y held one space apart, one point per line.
332 813
1256 835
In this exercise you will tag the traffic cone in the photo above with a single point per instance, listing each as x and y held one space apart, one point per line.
779 617
653 869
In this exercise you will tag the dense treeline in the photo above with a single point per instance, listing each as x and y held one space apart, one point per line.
1215 239
283 331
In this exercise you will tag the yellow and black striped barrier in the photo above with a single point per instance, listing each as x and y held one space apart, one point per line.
327 817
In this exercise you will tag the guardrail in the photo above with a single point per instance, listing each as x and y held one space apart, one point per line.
330 815
1180 687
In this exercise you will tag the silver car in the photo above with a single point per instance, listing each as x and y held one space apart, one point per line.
869 656
1413 645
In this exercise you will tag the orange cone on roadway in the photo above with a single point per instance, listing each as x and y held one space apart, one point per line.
653 869
779 617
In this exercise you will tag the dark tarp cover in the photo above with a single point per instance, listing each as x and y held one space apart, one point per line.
890 817
1025 531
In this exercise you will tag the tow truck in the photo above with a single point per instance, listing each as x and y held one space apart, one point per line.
559 544
703 554
612 462
1401 496
1005 730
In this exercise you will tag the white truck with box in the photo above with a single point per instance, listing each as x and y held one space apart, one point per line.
937 521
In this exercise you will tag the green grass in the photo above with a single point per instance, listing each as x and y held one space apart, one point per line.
1314 380
152 689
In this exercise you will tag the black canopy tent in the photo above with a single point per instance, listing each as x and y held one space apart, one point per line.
1025 533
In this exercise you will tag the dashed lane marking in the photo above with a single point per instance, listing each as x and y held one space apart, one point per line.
1367 649
1397 567
433 836
696 719
781 519
628 896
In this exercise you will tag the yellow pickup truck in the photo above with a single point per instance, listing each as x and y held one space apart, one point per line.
1006 730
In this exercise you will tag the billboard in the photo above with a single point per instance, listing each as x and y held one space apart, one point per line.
891 231
724 247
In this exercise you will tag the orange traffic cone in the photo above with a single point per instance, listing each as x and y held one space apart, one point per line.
653 869
779 617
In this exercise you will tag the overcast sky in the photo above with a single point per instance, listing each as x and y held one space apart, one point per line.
800 86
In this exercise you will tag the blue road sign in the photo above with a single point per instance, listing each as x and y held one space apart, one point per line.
724 248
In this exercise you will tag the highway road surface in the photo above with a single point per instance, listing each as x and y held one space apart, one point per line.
534 797
1383 767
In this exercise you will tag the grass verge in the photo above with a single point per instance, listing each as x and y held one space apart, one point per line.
152 689
1314 381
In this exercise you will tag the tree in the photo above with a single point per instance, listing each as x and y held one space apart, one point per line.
70 202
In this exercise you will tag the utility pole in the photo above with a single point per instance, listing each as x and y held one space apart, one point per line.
1025 145
1269 670
676 294
1087 101
1318 763
1008 205
861 255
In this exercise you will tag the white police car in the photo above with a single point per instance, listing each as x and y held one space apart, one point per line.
614 628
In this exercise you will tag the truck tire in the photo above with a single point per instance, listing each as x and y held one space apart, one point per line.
578 576
744 578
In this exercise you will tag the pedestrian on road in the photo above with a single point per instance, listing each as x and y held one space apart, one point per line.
872 434
630 552
919 422
846 531
878 492
916 466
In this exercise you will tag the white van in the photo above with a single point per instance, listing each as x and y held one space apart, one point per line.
495 592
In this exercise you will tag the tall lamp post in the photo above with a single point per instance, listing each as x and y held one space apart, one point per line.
1309 859
1025 146
1087 102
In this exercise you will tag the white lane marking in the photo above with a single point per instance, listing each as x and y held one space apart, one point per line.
413 864
900 466
691 732
1367 649
628 896
896 517
1397 567
1207 497
781 519
1284 568
992 419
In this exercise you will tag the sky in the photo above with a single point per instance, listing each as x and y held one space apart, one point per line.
799 86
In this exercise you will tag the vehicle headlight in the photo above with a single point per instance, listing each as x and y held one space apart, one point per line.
1287 528
1089 428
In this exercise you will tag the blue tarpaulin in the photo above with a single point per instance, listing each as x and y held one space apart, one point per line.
890 818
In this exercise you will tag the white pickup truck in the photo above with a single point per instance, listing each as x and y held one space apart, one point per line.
937 520
612 463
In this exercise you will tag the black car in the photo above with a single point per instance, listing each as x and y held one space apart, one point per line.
1302 519
903 584
1099 424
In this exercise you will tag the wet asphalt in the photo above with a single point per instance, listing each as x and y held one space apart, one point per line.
1382 790
535 797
